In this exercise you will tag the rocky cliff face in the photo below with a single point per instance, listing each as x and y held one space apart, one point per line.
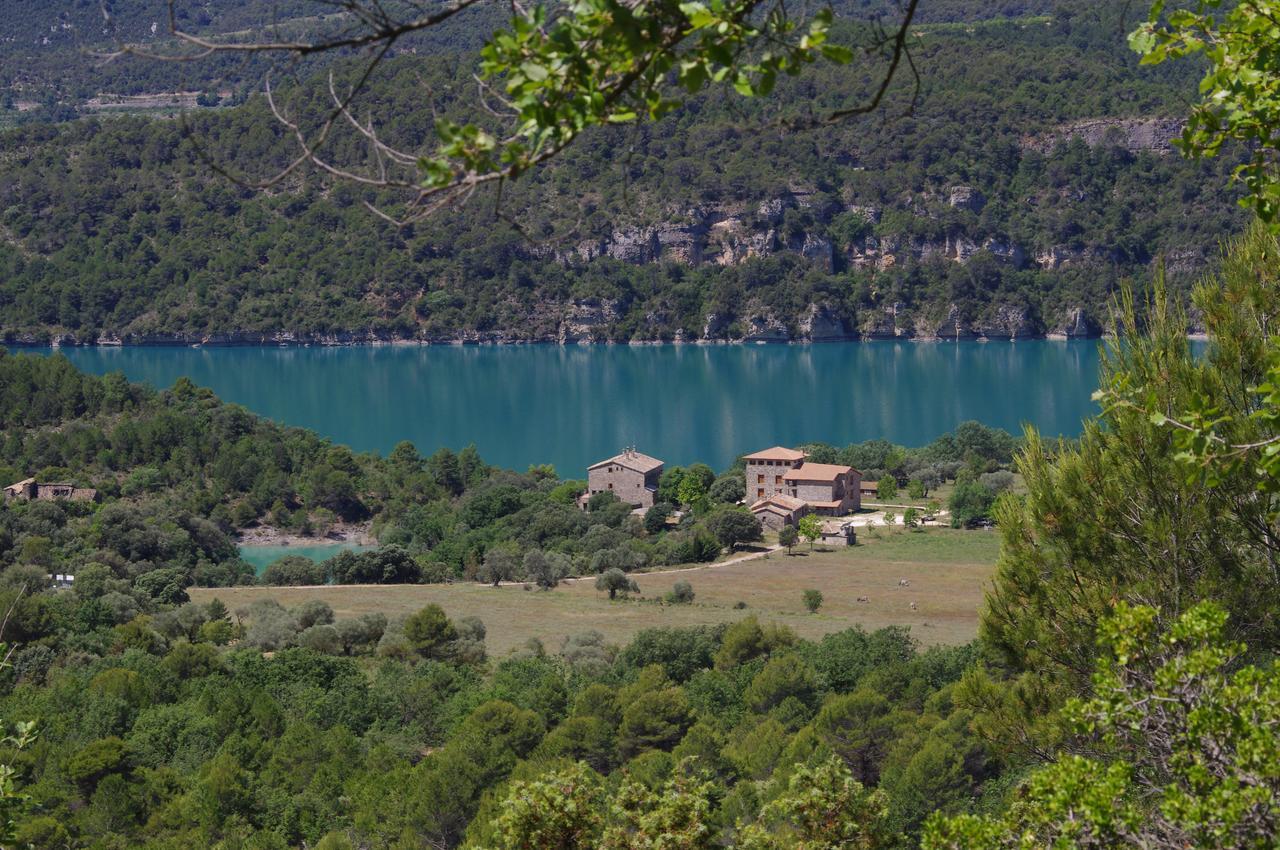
1133 134
1075 323
728 235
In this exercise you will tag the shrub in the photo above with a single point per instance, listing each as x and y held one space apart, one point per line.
292 571
321 638
313 612
681 593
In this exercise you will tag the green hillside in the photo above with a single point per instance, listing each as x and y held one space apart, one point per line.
1032 174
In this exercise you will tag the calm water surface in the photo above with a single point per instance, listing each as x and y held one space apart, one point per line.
263 556
570 406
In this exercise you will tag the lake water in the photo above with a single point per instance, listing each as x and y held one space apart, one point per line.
570 406
262 557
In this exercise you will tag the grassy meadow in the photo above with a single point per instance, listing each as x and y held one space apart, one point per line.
948 572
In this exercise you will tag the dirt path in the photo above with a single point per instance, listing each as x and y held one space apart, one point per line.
736 559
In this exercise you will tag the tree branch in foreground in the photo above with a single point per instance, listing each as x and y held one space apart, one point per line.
556 72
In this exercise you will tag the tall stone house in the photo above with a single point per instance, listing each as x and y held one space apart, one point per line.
631 476
765 471
777 477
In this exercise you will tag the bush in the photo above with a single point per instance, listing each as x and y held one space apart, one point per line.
430 632
321 638
887 488
733 525
293 571
271 627
970 503
313 612
362 633
997 482
681 593
615 581
812 600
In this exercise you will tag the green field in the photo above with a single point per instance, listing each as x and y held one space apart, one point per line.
947 570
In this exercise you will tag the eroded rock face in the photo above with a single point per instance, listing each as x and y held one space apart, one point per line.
952 326
1063 256
1006 252
588 320
715 326
966 198
1076 323
821 323
1008 322
892 322
819 250
765 327
1133 134
634 245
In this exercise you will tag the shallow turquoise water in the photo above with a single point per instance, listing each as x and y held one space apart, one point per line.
570 406
263 556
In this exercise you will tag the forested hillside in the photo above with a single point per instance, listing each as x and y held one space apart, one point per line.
1032 174
179 474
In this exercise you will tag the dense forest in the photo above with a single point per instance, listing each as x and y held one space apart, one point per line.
1030 178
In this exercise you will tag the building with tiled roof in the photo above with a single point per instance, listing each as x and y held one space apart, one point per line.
827 488
779 510
630 475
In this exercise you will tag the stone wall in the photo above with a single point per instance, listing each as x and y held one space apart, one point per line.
628 485
771 472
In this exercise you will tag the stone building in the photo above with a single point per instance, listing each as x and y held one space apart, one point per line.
631 476
765 471
779 510
31 489
828 488
836 533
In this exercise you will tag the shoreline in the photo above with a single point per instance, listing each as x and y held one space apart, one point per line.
339 535
176 342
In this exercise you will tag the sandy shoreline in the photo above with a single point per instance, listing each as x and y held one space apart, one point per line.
265 535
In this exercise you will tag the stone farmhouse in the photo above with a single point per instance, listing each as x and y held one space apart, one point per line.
778 510
631 476
31 489
779 477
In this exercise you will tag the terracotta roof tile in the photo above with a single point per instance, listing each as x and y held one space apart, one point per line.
817 472
776 453
635 461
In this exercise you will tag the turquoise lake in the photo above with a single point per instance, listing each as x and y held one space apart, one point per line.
263 556
570 406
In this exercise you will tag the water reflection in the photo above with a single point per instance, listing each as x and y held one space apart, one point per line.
571 405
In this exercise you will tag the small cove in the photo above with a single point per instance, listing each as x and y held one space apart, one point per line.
262 556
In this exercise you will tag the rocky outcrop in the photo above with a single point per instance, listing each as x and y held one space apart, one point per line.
1008 322
1133 134
966 198
715 326
822 324
764 327
951 326
891 322
1075 323
588 320
819 251
1064 256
